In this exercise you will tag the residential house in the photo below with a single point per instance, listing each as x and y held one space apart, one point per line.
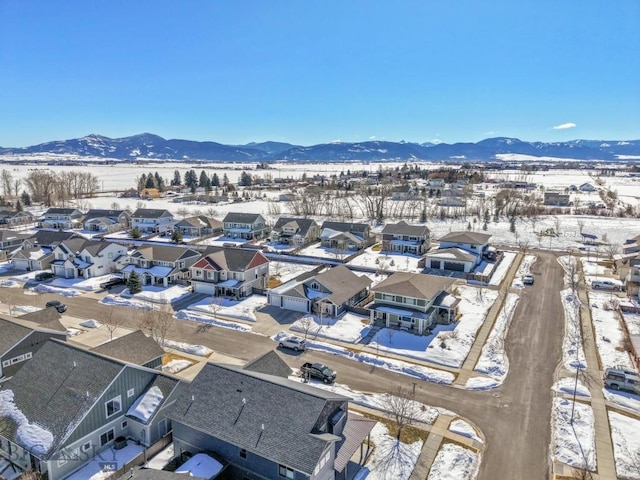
459 252
295 231
10 240
61 218
11 218
587 187
556 199
198 226
82 258
37 250
151 220
632 280
106 221
631 245
20 340
265 426
161 264
91 400
326 294
345 236
404 238
230 272
473 242
134 347
413 302
48 239
248 226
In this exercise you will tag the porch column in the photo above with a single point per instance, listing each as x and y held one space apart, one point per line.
165 282
420 326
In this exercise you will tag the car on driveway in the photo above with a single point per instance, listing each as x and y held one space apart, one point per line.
293 342
605 285
112 282
619 378
44 276
59 306
319 371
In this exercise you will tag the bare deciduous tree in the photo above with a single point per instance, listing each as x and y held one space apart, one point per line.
6 178
111 321
402 409
157 322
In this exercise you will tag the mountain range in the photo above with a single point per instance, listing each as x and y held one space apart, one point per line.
151 146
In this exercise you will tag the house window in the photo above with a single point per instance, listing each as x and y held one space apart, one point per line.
124 425
285 472
86 447
130 393
107 437
113 406
242 453
6 363
27 355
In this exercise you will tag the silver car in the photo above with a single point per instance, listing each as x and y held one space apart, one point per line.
293 342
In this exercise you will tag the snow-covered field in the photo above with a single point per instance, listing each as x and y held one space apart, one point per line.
448 344
493 359
626 445
573 442
243 310
349 327
385 260
156 294
608 332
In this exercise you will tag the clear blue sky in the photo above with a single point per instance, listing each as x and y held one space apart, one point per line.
311 72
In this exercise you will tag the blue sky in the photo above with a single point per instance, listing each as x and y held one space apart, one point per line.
312 72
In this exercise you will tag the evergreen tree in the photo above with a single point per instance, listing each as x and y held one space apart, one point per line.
142 182
159 181
177 180
512 224
215 180
204 180
150 183
18 206
245 179
176 236
135 233
423 216
225 180
26 199
134 284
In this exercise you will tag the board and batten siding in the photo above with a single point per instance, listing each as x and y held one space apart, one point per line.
28 345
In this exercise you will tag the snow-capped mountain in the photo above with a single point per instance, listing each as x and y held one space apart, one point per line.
147 145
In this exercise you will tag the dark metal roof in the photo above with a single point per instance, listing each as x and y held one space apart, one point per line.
134 347
355 431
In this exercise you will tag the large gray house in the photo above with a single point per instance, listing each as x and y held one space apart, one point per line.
266 426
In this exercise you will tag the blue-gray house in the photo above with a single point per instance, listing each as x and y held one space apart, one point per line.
265 426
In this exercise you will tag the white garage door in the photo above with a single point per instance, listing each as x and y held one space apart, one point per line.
20 264
275 300
296 304
201 287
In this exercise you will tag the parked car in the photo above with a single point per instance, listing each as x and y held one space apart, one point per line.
319 371
527 279
605 285
44 276
293 342
59 306
112 282
619 378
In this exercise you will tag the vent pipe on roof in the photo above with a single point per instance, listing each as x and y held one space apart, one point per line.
244 401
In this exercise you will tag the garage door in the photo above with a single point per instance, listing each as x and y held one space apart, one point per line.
201 287
274 300
435 264
456 267
20 264
296 304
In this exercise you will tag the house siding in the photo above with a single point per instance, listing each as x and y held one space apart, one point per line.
30 344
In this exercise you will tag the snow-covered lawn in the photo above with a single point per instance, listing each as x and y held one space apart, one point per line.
385 260
572 348
502 268
17 310
576 452
608 333
155 294
176 365
406 368
209 320
454 462
317 250
237 309
391 459
525 267
115 458
481 383
350 327
632 321
8 283
626 445
493 360
463 428
448 344
86 284
62 291
568 385
119 301
285 271
199 350
624 399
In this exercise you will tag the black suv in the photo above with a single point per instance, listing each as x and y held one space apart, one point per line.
59 306
112 282
319 371
44 276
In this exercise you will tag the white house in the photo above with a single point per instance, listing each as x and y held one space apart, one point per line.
78 257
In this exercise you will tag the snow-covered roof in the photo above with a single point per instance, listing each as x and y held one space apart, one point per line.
156 270
201 465
146 405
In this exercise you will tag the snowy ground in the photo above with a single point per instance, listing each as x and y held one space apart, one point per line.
625 400
463 428
568 386
572 348
454 462
115 458
286 271
448 344
502 268
349 327
608 333
632 321
525 267
626 445
385 260
565 444
156 294
236 309
209 320
85 284
62 291
199 350
317 250
118 301
176 365
493 360
406 368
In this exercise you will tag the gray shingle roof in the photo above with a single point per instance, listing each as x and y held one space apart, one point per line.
269 363
303 224
403 228
62 211
134 347
164 253
342 283
46 238
241 217
98 213
46 318
288 410
357 228
415 285
473 238
151 213
12 333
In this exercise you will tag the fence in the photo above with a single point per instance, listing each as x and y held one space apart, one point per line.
142 458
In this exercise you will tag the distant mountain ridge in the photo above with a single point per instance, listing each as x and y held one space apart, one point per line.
151 146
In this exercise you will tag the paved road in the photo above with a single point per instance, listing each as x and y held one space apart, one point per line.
515 418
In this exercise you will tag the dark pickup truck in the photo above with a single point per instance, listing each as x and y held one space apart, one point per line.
319 371
112 282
